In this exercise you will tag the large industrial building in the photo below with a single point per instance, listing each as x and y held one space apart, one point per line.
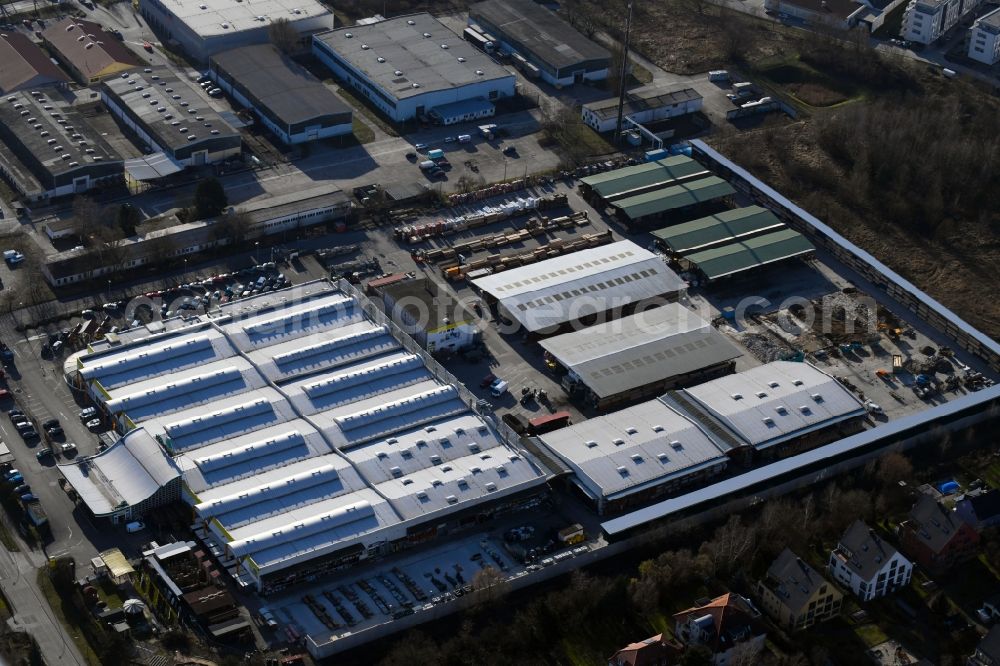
740 256
411 65
87 50
633 456
610 186
547 44
643 105
684 438
773 410
206 27
49 149
159 240
431 315
165 115
582 286
24 66
668 202
284 96
722 228
310 433
639 356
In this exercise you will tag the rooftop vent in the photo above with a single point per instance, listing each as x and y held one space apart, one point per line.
415 85
365 47
451 499
65 156
796 382
618 442
657 428
411 22
398 72
74 164
380 59
676 446
591 444
191 137
662 457
98 158
461 59
444 46
70 27
636 458
348 35
89 45
479 72
630 430
768 421
427 34
773 384
214 132
622 471
155 77
817 397
490 487
182 130
203 7
761 394
781 410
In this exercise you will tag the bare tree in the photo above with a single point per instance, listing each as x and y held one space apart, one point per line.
283 35
490 585
88 215
158 249
234 228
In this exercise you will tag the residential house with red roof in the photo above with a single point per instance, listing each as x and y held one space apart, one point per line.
654 651
725 625
936 538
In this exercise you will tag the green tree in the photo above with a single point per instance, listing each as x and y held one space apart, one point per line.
209 199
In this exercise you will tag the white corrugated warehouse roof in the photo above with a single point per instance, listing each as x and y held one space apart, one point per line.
772 403
310 459
131 471
642 348
208 18
633 449
566 288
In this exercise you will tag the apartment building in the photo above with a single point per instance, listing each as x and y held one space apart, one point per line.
925 21
984 38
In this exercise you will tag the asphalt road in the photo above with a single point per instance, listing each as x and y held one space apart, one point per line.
31 610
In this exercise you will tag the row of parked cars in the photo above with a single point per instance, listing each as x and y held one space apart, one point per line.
208 85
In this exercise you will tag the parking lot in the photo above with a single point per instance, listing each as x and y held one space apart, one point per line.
427 580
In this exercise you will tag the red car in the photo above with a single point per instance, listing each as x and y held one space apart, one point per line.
487 380
147 46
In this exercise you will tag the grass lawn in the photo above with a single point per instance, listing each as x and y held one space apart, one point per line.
870 634
808 86
362 132
359 106
67 615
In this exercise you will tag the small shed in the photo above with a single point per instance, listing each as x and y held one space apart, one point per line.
118 566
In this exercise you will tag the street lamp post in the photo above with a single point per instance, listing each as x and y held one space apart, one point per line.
256 252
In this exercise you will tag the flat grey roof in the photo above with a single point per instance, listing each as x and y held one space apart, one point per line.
414 46
425 302
641 99
286 88
572 286
640 349
634 448
166 104
548 37
50 129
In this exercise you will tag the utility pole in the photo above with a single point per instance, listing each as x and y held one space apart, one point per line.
623 72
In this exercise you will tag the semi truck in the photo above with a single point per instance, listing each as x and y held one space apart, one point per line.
479 39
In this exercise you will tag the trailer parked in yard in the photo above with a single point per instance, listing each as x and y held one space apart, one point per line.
35 512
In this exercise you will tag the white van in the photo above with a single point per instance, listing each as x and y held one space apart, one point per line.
498 388
135 526
464 138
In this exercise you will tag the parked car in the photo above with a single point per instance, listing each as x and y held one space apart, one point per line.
68 447
13 413
23 488
17 478
94 424
29 435
43 454
135 526
87 413
51 423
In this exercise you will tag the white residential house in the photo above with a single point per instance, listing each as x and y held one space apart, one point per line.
984 38
867 564
925 21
